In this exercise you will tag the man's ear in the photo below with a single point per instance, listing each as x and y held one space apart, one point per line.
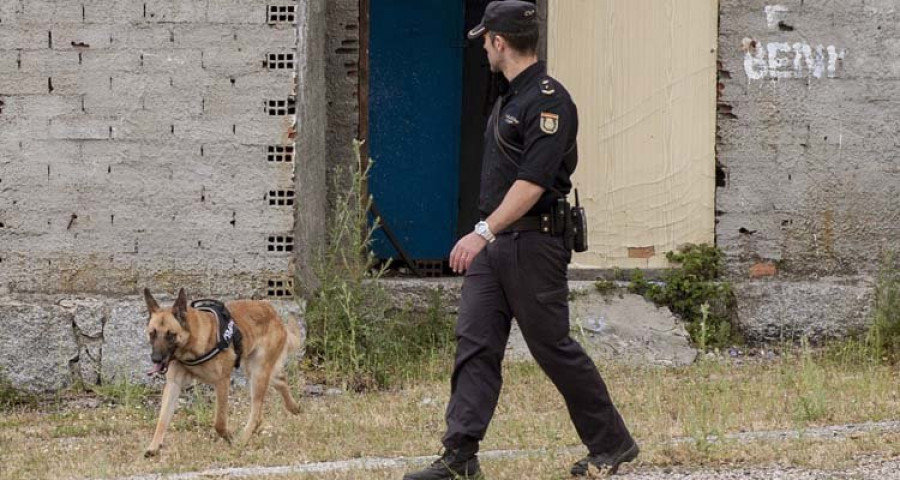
152 306
179 309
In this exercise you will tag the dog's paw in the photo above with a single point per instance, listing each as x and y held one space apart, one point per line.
151 452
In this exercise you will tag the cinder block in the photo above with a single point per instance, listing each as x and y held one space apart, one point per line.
44 12
24 37
9 61
82 36
201 36
49 61
267 37
108 104
232 62
230 103
263 129
202 130
110 61
144 125
80 127
78 83
144 37
180 61
113 11
176 105
142 84
23 84
267 84
175 11
237 11
39 107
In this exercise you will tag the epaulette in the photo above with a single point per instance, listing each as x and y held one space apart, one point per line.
547 86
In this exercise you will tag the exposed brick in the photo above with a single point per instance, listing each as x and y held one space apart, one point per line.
763 269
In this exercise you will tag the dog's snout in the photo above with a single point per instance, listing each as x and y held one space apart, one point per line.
156 357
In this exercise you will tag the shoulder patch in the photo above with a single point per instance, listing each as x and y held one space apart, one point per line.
547 87
549 123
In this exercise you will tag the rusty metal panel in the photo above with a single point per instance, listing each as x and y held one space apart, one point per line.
643 74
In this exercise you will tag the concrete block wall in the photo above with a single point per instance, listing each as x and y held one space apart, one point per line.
808 177
136 140
147 143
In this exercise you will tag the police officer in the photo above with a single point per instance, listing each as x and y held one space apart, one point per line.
515 261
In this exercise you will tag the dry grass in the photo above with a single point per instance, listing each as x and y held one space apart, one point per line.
66 440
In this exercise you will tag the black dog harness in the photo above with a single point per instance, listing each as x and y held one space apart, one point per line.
228 332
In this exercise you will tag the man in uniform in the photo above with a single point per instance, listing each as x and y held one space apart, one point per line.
515 264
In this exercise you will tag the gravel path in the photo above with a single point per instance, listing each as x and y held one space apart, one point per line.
868 468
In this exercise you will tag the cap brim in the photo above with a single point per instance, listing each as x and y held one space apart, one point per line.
477 32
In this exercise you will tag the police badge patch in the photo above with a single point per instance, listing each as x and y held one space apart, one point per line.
549 123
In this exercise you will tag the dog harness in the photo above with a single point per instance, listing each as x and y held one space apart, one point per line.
228 332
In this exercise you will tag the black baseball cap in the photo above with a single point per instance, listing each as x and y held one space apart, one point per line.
507 16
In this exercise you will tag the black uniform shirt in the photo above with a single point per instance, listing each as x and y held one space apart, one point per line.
539 122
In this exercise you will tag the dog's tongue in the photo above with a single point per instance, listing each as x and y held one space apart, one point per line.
157 367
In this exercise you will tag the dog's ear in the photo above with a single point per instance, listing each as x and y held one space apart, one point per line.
179 309
152 306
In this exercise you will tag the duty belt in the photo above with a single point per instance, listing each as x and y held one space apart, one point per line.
536 223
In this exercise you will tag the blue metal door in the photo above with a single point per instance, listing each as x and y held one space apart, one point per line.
415 90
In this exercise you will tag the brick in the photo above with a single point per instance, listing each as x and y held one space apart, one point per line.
142 84
47 61
79 83
176 11
237 11
172 61
763 269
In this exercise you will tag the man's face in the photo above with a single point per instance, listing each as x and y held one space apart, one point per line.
493 53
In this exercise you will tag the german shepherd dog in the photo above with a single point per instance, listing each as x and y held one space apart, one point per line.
181 333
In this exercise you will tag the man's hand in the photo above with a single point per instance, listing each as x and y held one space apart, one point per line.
465 251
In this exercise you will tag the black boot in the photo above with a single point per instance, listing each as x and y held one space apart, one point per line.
608 461
459 463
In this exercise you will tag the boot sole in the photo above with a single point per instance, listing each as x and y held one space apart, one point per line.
625 457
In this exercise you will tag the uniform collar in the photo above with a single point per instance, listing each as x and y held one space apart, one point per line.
526 76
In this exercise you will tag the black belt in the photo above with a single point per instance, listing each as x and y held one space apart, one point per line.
537 223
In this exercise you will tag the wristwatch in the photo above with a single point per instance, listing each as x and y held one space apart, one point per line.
484 231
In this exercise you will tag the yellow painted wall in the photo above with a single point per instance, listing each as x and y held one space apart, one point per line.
643 75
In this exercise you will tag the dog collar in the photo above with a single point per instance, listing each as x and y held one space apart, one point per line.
228 332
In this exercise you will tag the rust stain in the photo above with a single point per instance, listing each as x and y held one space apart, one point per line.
641 252
763 269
